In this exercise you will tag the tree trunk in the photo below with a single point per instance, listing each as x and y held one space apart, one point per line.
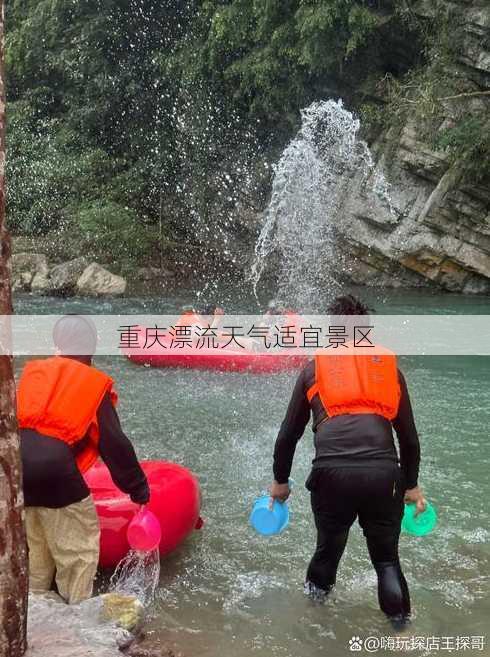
13 553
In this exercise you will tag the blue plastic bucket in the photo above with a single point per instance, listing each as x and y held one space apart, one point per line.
267 521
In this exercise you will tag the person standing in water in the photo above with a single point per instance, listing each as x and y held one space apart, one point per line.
67 419
354 403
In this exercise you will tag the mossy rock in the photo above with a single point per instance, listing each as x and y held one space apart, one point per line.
125 611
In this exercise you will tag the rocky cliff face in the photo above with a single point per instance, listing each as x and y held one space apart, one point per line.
439 232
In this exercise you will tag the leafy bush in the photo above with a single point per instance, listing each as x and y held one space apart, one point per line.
114 229
468 142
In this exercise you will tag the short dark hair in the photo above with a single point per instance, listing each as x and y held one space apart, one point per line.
348 305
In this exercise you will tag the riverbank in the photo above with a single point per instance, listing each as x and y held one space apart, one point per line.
60 630
44 267
51 266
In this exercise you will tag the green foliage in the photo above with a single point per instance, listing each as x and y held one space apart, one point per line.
435 94
140 120
468 142
88 108
372 117
113 228
115 106
47 171
270 55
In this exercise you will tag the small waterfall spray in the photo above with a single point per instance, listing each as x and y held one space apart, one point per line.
311 181
137 574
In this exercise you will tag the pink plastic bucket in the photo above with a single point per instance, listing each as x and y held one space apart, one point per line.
144 531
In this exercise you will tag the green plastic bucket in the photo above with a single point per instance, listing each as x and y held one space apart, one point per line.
421 524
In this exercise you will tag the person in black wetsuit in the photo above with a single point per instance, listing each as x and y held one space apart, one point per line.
355 474
67 420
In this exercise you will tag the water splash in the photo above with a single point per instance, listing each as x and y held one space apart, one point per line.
311 182
137 574
217 182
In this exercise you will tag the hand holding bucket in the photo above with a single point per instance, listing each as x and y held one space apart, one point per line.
419 524
144 532
270 516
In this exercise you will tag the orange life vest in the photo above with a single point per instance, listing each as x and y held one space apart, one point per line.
355 383
59 397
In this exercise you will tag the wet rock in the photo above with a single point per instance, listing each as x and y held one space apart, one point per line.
56 629
440 233
64 277
97 281
40 282
124 610
29 272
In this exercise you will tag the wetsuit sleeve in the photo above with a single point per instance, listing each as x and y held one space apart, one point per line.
292 428
408 440
118 454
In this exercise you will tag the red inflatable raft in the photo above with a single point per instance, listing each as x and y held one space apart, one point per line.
175 500
163 354
229 361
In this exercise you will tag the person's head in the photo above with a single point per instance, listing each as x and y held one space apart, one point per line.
274 308
75 335
348 305
212 309
188 309
345 309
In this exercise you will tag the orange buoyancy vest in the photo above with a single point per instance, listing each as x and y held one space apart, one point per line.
357 383
59 397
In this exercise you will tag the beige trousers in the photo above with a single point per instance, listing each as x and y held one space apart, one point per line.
63 543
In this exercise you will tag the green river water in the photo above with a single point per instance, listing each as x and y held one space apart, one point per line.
228 592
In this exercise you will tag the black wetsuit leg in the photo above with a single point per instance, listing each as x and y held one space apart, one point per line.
375 494
380 515
333 519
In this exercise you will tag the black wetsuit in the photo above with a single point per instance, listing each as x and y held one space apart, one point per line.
356 473
50 474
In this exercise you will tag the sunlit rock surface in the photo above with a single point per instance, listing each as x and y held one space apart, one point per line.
29 272
97 281
56 629
63 278
439 235
124 610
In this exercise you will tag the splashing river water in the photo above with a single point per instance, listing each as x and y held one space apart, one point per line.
309 187
230 592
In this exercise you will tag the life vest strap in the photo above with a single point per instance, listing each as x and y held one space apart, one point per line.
312 391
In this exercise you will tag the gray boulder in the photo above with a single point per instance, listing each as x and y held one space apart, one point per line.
30 272
96 281
64 277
